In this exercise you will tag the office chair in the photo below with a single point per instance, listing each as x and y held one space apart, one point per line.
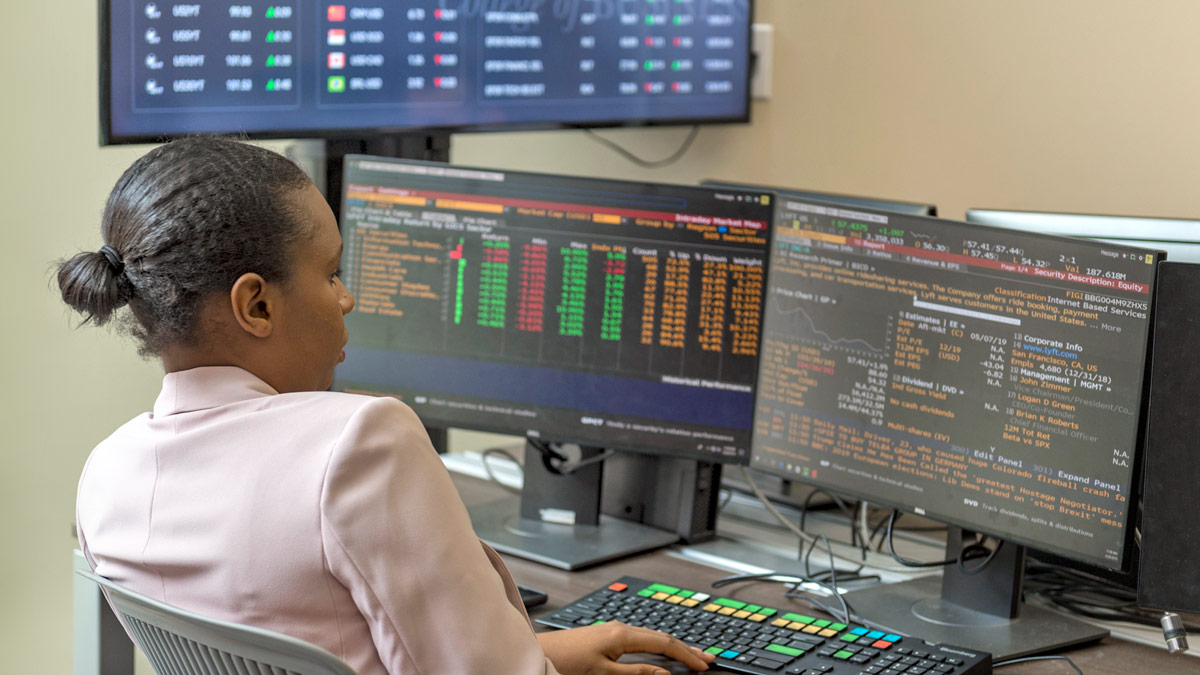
178 642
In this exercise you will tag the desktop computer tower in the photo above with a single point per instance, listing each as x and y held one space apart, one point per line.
677 495
1170 542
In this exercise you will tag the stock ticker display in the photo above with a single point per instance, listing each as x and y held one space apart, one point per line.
296 65
604 312
988 378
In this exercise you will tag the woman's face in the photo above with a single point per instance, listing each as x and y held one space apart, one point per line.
312 326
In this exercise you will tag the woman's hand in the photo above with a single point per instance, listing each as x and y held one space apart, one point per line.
594 650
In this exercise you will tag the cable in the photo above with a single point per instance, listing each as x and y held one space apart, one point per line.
550 455
906 562
864 530
588 462
725 500
1081 593
487 468
836 500
833 578
852 575
974 551
645 163
795 583
792 526
1010 662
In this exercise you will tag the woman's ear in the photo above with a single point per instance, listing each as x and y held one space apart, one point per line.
253 304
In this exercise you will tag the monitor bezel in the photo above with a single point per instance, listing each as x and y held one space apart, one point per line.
930 209
1184 246
1128 547
108 137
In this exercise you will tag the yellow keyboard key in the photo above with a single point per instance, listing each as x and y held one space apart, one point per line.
741 614
812 629
757 617
660 596
674 599
726 611
828 632
795 625
690 602
779 623
711 607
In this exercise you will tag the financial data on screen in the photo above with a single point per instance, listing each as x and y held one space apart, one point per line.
610 313
989 378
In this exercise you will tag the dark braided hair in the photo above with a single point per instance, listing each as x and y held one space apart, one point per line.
187 219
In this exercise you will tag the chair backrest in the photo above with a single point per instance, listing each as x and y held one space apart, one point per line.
178 642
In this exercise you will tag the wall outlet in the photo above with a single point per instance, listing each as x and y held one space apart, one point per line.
761 42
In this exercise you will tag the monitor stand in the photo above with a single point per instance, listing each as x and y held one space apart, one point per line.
981 611
557 520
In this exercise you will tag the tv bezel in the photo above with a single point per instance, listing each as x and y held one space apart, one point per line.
108 137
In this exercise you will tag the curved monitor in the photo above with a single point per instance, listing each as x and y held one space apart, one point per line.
301 68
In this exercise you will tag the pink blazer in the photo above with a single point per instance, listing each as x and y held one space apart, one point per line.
321 515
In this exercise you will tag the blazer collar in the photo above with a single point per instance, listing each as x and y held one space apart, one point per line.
208 387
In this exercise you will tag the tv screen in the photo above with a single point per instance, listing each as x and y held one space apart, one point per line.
302 68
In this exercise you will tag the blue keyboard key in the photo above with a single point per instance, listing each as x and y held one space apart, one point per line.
859 631
891 637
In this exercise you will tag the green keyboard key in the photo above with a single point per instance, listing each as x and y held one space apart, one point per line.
645 592
839 627
767 611
849 637
726 602
714 650
753 609
798 618
782 649
662 588
843 654
686 594
822 623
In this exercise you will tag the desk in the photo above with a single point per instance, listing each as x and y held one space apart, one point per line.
1109 657
103 650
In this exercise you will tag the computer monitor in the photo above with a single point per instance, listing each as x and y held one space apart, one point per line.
1178 238
609 314
910 208
330 69
986 378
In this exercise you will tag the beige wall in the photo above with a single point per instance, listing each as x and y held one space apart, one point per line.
1075 105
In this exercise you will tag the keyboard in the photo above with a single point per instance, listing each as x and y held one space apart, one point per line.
758 640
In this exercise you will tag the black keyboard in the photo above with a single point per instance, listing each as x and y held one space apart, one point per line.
749 638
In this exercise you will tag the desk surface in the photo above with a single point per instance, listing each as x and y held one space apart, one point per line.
1111 656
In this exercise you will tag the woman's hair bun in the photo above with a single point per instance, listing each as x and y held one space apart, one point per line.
181 225
91 286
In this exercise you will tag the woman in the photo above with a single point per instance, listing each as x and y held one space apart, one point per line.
250 493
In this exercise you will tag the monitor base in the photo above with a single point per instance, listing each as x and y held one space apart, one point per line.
568 547
916 608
